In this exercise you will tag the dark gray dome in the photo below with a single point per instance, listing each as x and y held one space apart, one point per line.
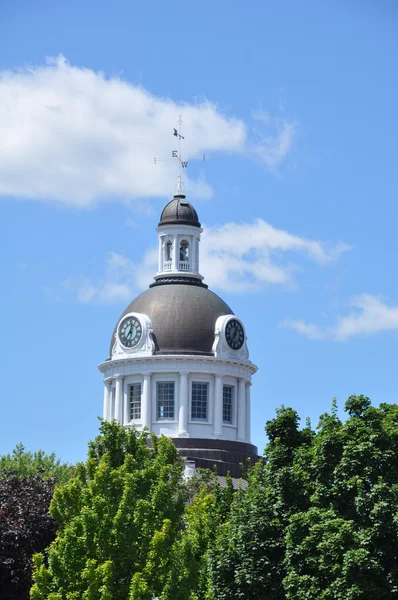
179 212
183 317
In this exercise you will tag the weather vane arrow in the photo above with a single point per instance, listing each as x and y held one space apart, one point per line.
183 164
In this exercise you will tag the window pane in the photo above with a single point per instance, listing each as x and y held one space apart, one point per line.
165 400
135 401
227 403
199 401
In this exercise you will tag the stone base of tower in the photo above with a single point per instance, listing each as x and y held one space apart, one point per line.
226 456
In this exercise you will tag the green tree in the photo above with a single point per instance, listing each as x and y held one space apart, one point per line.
22 463
346 545
247 559
319 519
188 577
118 520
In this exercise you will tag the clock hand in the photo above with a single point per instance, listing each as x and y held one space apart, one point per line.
128 331
236 338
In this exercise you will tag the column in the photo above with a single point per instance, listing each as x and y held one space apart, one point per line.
160 254
218 398
146 402
176 254
192 254
119 400
248 436
197 255
107 402
183 406
241 410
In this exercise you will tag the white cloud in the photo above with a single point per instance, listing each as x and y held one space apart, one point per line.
236 257
244 257
72 135
117 285
370 315
273 149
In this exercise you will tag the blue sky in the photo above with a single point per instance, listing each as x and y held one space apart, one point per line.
294 105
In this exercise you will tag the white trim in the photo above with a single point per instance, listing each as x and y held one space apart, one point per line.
178 362
173 228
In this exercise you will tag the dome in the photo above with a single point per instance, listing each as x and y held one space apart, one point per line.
183 317
179 212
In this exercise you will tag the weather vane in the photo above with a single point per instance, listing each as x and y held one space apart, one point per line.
183 164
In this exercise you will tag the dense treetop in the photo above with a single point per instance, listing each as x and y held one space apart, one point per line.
22 463
317 521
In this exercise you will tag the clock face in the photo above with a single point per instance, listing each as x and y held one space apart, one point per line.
234 334
130 332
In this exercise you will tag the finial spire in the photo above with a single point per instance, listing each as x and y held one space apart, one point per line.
183 164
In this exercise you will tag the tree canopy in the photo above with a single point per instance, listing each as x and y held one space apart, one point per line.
118 519
319 519
22 463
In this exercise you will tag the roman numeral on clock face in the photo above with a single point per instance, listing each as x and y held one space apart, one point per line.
234 334
130 332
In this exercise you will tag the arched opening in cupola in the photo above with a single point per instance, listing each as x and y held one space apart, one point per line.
184 256
184 251
168 251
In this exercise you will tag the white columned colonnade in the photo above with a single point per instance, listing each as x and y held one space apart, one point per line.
114 387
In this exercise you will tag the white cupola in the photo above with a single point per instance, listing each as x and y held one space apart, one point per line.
179 236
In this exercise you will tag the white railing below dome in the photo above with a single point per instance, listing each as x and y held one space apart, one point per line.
167 265
184 266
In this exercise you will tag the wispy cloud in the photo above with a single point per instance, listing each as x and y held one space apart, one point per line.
273 149
117 285
75 136
370 316
236 257
244 257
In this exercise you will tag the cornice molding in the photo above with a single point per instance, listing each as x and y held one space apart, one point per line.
178 360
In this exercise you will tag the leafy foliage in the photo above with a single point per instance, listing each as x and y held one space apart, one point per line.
21 463
189 577
319 519
25 527
118 521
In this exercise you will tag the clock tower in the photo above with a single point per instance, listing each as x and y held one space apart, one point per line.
179 362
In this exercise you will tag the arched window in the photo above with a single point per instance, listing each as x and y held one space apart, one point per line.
184 251
169 247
